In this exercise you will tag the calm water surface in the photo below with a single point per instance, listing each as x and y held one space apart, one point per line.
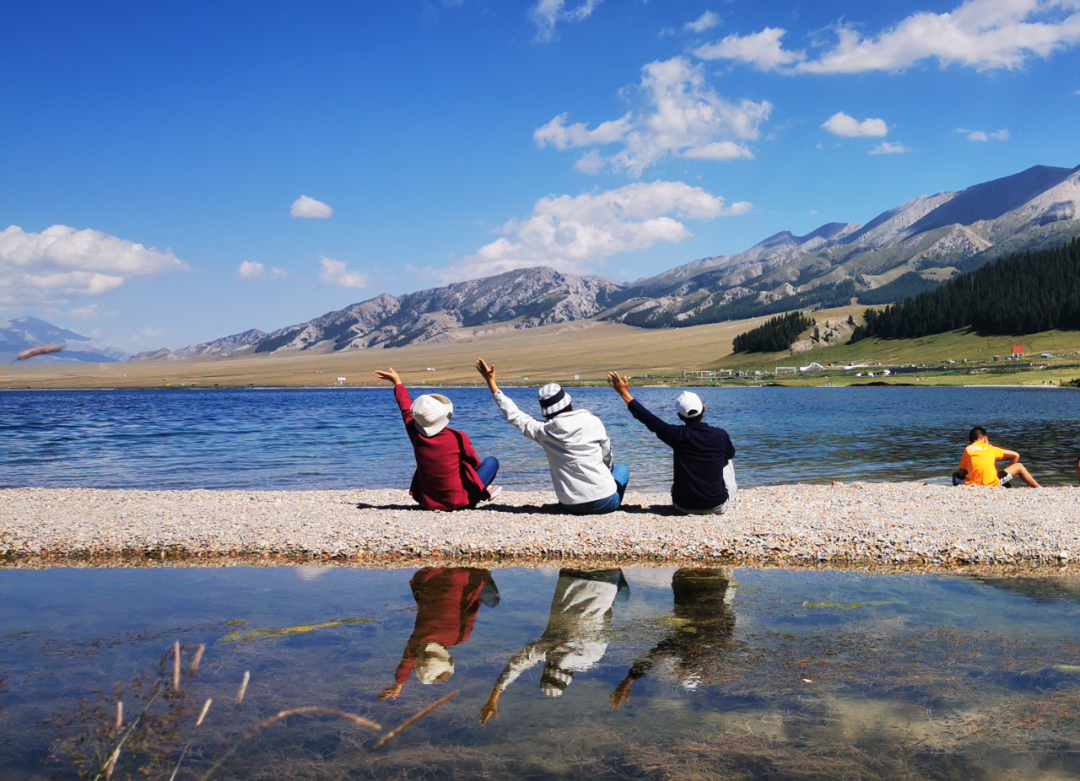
353 438
612 674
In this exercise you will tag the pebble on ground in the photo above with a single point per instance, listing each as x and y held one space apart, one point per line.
850 524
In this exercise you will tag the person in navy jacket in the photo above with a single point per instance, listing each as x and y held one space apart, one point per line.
704 475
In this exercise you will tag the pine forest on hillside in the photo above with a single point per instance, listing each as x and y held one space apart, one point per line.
1021 294
776 335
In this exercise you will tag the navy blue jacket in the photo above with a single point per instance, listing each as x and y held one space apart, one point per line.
701 453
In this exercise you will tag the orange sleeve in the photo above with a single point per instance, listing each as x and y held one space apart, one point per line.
999 454
965 462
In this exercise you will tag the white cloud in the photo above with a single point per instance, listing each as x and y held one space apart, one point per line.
679 116
887 148
548 13
310 208
980 136
706 21
843 125
336 274
576 233
91 312
61 262
763 50
250 269
592 162
982 34
564 137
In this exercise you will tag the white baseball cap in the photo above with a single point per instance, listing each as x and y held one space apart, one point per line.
435 665
689 404
432 413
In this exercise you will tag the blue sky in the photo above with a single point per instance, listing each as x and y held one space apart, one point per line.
153 155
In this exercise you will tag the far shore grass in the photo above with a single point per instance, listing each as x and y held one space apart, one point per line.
581 353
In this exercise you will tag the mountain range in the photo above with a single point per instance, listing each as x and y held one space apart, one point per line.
912 247
22 333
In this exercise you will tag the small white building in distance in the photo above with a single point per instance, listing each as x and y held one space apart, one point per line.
429 369
341 380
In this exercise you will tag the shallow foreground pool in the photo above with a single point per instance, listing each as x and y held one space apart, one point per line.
597 674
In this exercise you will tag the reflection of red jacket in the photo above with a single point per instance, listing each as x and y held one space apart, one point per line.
447 600
446 465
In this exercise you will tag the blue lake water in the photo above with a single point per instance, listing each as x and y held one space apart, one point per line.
296 439
605 674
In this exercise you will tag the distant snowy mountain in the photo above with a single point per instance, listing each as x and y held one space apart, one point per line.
908 248
22 333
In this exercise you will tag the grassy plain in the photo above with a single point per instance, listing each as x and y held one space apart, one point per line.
586 350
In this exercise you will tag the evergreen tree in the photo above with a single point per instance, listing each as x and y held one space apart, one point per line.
1021 294
777 335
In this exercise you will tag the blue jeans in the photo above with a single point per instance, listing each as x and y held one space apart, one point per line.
487 470
621 473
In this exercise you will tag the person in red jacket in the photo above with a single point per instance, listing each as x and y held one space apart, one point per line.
447 601
449 474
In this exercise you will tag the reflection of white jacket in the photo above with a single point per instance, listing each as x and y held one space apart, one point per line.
577 448
574 638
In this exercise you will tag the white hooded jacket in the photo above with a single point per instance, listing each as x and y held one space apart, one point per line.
577 448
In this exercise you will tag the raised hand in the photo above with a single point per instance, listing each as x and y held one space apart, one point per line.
488 373
390 375
490 709
621 386
390 692
621 695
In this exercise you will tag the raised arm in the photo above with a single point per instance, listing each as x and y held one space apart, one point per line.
1012 455
401 395
526 424
621 385
529 656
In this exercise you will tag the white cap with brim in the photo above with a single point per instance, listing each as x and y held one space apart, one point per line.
689 404
432 413
553 399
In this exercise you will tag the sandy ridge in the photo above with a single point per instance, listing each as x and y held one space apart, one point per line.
848 524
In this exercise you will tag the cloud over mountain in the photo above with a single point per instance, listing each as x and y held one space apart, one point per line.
576 233
335 273
60 263
546 14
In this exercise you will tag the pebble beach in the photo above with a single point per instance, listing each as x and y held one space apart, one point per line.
859 525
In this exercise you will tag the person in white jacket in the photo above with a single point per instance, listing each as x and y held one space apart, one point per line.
576 636
585 477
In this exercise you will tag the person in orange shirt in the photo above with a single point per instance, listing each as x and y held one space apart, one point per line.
979 463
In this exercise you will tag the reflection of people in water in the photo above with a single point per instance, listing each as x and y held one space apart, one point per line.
574 639
701 630
447 601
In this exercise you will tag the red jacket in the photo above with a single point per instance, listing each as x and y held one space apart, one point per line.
446 465
447 601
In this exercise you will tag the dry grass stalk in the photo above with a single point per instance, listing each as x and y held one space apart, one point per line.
243 687
205 708
305 711
200 649
119 714
410 721
44 349
111 765
176 666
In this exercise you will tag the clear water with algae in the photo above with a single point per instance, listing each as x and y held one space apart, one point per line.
559 674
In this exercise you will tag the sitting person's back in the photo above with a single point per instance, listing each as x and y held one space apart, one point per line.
978 465
704 477
449 473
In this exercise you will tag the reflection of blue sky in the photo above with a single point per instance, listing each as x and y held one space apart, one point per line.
134 614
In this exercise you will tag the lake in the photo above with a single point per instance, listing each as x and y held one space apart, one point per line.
603 674
305 439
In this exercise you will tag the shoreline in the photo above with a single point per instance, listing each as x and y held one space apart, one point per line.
872 527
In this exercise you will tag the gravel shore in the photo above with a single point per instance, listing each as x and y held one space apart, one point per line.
897 525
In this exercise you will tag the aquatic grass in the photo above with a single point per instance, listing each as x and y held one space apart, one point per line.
243 687
413 719
264 634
